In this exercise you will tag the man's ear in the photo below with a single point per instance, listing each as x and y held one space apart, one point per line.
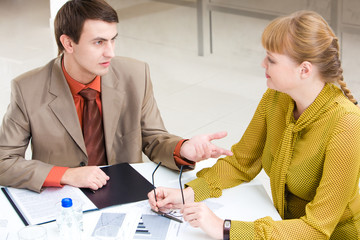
67 43
306 69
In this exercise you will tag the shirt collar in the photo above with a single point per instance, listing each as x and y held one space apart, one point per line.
76 87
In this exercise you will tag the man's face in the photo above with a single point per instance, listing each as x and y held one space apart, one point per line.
92 55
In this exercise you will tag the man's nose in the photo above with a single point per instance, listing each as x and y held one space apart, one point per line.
110 50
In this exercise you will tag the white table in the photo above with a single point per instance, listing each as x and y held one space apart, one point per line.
246 202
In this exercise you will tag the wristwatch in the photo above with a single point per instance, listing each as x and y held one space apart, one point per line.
227 225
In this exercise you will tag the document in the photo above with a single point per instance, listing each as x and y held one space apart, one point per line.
108 224
126 185
153 226
37 208
135 221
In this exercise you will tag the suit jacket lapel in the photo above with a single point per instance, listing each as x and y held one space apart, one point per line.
63 105
112 103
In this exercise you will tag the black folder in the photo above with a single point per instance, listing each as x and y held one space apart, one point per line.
126 185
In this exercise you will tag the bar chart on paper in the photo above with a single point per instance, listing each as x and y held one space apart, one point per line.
152 227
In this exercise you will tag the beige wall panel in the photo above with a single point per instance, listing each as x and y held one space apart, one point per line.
351 12
279 6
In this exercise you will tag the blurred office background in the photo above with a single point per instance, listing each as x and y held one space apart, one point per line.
204 55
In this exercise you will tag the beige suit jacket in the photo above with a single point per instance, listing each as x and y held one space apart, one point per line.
42 112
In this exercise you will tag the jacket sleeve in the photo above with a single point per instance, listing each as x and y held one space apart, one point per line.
15 135
158 144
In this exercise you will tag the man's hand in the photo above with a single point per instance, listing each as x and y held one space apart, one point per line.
200 147
85 177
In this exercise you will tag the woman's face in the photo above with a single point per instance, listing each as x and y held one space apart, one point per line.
281 72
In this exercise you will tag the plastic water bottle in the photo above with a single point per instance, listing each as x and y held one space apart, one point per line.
67 221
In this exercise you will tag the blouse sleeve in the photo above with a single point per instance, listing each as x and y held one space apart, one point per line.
336 195
242 166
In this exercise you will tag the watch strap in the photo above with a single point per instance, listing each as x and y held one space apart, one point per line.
227 225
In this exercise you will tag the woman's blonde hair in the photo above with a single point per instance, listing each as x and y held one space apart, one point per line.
306 36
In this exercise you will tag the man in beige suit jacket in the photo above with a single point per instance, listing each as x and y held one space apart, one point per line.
42 110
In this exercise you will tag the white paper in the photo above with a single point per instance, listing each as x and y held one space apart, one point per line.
158 227
173 229
3 229
42 207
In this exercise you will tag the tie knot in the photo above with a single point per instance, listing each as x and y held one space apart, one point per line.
88 94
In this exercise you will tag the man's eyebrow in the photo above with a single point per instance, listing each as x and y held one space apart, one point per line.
115 36
99 39
104 39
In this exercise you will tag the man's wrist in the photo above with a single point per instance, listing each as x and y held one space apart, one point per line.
179 160
54 177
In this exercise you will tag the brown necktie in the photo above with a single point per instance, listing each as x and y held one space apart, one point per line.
93 129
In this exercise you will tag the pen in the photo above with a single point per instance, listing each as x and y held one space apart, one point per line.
167 216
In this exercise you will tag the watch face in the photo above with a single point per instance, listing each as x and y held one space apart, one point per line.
227 224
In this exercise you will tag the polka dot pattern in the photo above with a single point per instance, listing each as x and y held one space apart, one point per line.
313 163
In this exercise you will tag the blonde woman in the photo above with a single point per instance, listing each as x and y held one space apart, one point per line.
305 133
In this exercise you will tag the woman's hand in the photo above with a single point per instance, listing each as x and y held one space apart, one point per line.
199 215
169 198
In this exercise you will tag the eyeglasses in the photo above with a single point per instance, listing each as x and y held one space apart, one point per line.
173 215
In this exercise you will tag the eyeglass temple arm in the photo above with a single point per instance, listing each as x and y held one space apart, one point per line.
181 188
153 179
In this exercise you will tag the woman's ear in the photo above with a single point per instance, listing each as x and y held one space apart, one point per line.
67 43
306 69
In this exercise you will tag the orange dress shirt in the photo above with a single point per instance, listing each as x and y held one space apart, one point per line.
56 173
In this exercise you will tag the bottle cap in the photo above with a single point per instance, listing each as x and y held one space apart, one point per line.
66 202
